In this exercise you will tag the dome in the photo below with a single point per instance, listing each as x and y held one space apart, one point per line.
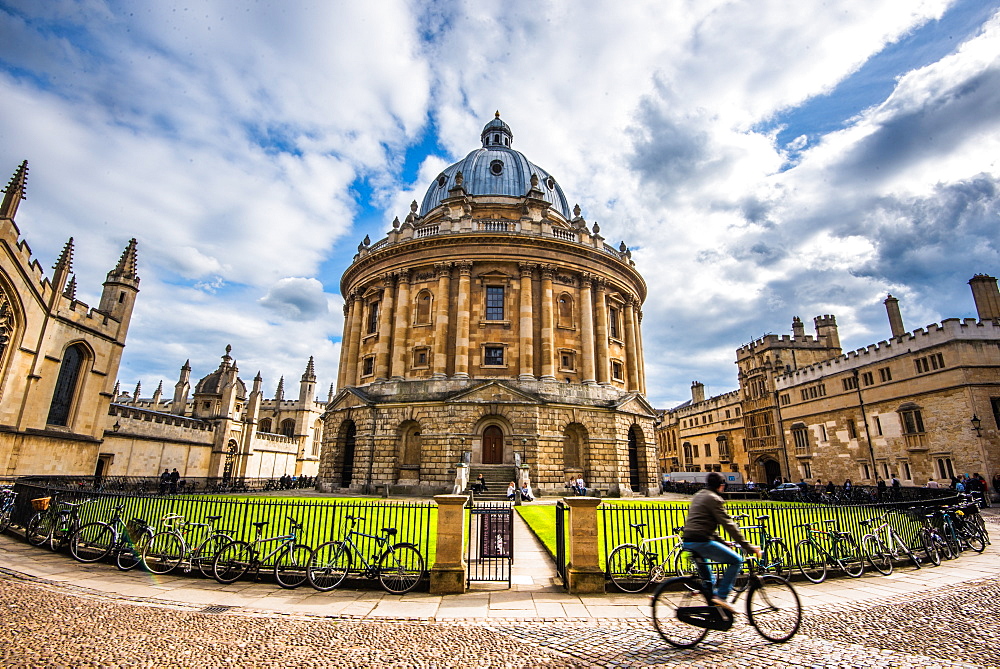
496 169
214 383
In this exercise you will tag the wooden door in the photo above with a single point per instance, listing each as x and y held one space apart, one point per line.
493 446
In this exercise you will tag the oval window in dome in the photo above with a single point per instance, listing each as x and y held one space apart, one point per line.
442 180
550 183
496 167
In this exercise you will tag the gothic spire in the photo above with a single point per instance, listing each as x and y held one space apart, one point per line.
15 192
65 261
310 373
70 291
127 264
279 392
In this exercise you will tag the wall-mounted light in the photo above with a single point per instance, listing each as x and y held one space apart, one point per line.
117 426
977 425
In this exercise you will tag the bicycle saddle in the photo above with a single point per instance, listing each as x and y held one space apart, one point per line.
389 531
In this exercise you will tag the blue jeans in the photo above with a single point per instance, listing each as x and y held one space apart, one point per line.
716 552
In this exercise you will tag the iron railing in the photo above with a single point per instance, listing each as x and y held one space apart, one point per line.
490 552
141 486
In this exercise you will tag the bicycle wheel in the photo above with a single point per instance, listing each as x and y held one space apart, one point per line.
671 596
878 555
850 559
232 561
38 529
62 530
163 552
92 542
906 551
400 569
5 519
973 540
930 548
292 566
629 568
329 565
203 557
811 561
778 559
129 554
773 608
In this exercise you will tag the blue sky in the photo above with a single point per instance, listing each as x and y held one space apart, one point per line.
763 160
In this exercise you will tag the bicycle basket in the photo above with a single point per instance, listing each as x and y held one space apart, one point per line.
41 503
135 528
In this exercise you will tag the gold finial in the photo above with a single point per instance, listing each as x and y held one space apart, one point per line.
498 113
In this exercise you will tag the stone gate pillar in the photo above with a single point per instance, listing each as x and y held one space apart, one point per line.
584 573
448 572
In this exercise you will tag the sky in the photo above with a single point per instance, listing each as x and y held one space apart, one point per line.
763 159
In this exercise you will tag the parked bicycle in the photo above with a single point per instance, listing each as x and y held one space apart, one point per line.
398 567
822 549
169 549
291 559
7 498
931 540
683 612
632 567
959 534
883 545
54 523
95 541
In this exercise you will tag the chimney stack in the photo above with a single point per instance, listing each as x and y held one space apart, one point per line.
895 319
697 392
987 296
798 329
826 331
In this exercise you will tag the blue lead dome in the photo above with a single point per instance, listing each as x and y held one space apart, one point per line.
496 169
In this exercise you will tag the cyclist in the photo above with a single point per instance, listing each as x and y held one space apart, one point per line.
706 514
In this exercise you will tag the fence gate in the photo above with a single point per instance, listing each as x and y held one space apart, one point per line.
491 542
562 509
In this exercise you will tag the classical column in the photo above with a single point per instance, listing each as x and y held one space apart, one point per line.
345 342
357 330
548 333
603 363
587 328
441 325
631 347
526 339
384 329
640 357
462 323
400 340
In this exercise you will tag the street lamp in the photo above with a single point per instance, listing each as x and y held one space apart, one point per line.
976 425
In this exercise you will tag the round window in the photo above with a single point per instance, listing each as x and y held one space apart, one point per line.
550 183
442 180
496 167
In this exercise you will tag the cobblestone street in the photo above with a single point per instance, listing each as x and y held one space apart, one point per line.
50 625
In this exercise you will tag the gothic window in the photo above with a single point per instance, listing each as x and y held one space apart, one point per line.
913 421
66 385
264 425
288 427
565 311
800 435
422 311
494 303
6 322
945 469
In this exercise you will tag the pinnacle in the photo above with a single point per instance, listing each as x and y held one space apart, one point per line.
127 264
15 191
66 257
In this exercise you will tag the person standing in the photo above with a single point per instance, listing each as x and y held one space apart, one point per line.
164 481
174 478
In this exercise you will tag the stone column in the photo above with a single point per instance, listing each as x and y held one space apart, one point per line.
400 340
384 329
441 325
587 328
345 341
641 358
584 573
548 332
526 339
603 364
448 572
357 331
631 347
462 323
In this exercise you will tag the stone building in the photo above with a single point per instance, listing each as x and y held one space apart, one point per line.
921 405
493 323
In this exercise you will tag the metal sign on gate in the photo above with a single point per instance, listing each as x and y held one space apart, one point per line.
491 542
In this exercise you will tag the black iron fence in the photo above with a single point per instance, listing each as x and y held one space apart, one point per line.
615 521
321 520
562 511
811 494
142 486
490 552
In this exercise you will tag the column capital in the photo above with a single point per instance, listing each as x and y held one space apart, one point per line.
442 269
586 280
403 276
464 267
388 279
548 272
527 268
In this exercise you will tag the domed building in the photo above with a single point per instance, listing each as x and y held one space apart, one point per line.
493 325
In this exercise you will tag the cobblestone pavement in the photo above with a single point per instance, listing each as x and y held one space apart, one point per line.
46 624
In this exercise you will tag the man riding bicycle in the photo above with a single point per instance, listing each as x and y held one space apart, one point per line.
706 514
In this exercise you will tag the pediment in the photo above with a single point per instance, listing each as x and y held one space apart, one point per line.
637 404
494 392
349 398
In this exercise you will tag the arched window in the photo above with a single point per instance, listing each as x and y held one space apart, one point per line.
422 309
66 385
565 311
410 446
264 425
288 427
574 447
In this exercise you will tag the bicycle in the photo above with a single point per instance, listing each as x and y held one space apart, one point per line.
683 612
236 558
933 542
95 541
168 548
632 567
398 567
958 529
7 497
813 559
881 551
54 523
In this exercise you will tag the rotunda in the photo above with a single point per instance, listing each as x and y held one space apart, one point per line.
494 326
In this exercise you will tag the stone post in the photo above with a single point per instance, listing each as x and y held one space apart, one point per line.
448 574
584 572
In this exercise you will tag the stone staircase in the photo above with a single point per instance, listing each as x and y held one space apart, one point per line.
498 477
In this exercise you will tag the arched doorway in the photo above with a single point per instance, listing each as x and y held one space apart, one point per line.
634 479
492 446
347 467
772 470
